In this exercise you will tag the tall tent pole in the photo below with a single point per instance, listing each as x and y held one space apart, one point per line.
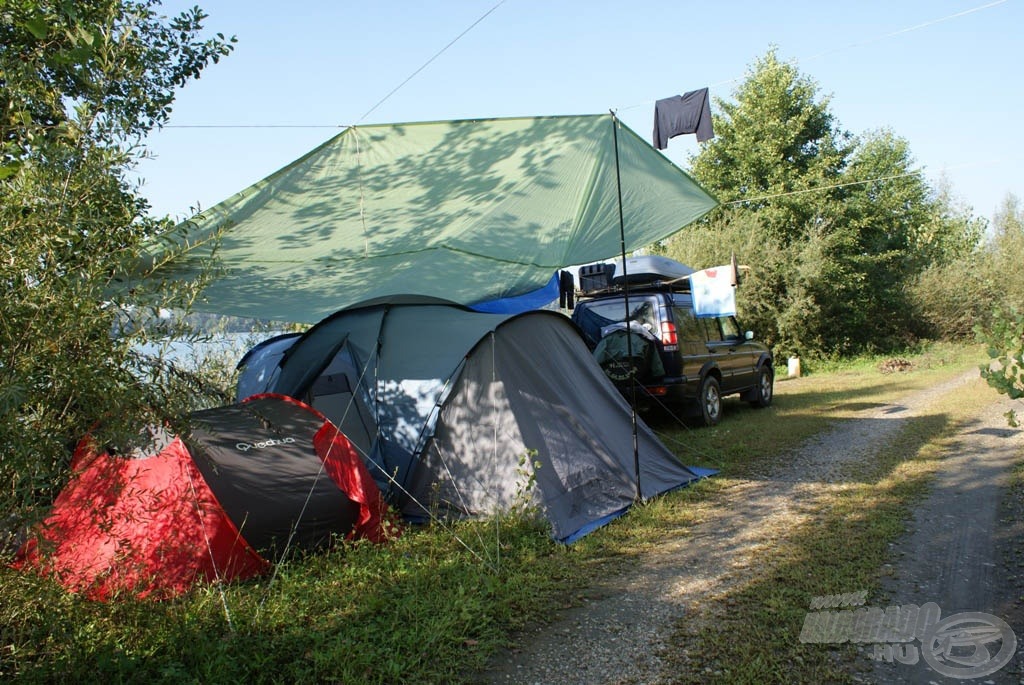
625 293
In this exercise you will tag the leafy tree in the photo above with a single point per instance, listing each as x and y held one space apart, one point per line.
82 82
1008 222
952 232
886 214
949 301
855 217
884 203
966 279
777 139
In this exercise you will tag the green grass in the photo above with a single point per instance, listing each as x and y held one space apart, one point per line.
422 609
435 604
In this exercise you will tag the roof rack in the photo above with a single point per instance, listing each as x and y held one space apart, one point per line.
648 272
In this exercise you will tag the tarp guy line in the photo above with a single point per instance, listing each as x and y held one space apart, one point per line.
793 61
428 62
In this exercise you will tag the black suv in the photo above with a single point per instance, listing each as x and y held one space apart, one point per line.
676 358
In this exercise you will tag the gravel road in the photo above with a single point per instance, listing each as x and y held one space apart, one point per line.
963 550
617 633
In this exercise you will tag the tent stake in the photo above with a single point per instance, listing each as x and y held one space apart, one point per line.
625 293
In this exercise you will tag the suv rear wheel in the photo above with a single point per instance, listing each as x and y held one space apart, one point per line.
763 390
710 399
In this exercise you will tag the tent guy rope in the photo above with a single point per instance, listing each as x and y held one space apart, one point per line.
428 62
213 558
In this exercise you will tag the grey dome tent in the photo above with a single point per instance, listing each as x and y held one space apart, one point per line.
444 402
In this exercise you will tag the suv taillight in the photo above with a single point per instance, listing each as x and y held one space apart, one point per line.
668 333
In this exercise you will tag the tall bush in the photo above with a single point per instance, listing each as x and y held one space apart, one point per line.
956 295
83 82
1004 340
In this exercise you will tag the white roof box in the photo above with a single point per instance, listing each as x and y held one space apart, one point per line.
649 269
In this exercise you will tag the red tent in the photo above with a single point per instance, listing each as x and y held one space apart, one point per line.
248 483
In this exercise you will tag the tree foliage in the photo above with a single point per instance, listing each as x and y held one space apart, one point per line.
777 140
953 297
82 82
845 223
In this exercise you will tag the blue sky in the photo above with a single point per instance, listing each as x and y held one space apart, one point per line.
944 74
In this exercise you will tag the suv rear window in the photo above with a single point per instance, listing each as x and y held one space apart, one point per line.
591 317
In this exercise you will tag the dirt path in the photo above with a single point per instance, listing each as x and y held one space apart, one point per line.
963 548
618 632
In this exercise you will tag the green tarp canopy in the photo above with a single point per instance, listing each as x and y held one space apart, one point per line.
467 211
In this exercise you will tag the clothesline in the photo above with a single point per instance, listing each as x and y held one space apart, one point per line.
820 188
